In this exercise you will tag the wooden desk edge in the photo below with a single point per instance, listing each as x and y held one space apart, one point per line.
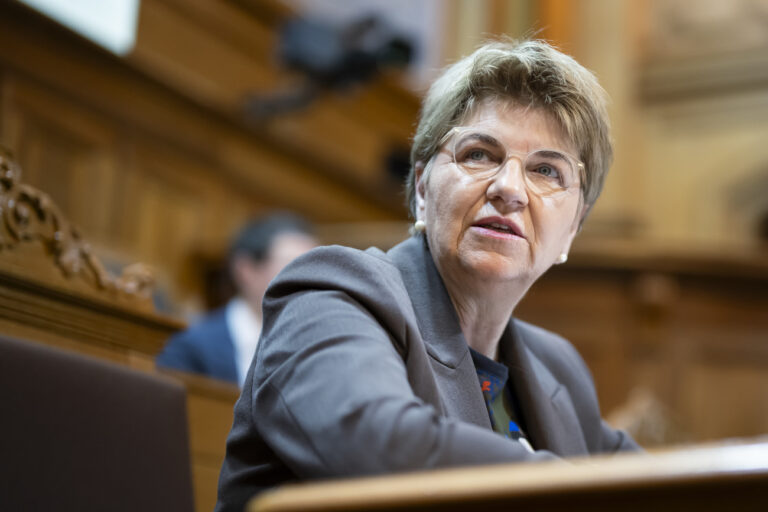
698 465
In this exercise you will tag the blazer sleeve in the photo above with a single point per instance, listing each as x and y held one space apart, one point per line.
617 440
330 392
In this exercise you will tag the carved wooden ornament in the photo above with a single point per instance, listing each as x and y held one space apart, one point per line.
29 215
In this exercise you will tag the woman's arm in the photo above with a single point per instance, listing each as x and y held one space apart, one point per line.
330 390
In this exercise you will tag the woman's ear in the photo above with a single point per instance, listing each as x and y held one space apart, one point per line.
421 189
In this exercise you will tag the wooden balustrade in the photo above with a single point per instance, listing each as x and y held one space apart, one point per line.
712 478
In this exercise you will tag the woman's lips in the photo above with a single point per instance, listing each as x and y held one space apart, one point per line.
498 227
494 233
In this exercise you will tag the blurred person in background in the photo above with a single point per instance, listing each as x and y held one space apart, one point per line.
222 344
374 362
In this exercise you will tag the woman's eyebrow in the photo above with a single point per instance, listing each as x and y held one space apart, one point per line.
552 153
483 137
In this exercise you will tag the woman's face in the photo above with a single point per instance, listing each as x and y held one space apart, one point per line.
498 229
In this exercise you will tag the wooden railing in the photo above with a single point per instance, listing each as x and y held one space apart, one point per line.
711 478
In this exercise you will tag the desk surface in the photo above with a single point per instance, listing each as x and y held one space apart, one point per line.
722 477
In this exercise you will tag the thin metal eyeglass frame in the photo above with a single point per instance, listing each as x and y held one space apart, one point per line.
579 165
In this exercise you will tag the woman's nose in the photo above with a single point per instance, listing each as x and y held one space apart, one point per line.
508 185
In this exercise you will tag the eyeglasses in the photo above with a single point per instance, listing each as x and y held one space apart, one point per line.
481 155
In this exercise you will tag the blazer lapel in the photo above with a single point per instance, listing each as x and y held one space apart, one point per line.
441 332
550 417
546 404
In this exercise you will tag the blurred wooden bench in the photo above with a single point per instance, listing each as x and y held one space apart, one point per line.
83 434
55 291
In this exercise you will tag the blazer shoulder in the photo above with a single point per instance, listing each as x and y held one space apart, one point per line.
338 267
339 254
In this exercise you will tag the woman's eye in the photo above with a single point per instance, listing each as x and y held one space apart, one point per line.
547 171
477 155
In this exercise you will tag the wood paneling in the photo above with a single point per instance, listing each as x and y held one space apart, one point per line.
153 155
557 21
691 331
54 291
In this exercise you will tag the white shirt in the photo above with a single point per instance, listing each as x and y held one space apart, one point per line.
245 329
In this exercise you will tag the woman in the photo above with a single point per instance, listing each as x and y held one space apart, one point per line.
374 362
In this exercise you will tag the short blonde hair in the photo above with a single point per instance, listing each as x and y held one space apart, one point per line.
531 74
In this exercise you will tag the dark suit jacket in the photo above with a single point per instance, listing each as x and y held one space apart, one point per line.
362 369
205 348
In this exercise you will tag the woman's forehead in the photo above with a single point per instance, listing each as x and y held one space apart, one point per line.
503 117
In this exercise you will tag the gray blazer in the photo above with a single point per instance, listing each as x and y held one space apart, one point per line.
362 369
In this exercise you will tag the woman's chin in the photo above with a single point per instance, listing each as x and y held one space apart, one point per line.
496 267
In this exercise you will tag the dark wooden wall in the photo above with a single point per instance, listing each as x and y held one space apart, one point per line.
152 154
687 334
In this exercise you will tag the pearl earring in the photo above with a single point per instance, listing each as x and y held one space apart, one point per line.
562 258
419 226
